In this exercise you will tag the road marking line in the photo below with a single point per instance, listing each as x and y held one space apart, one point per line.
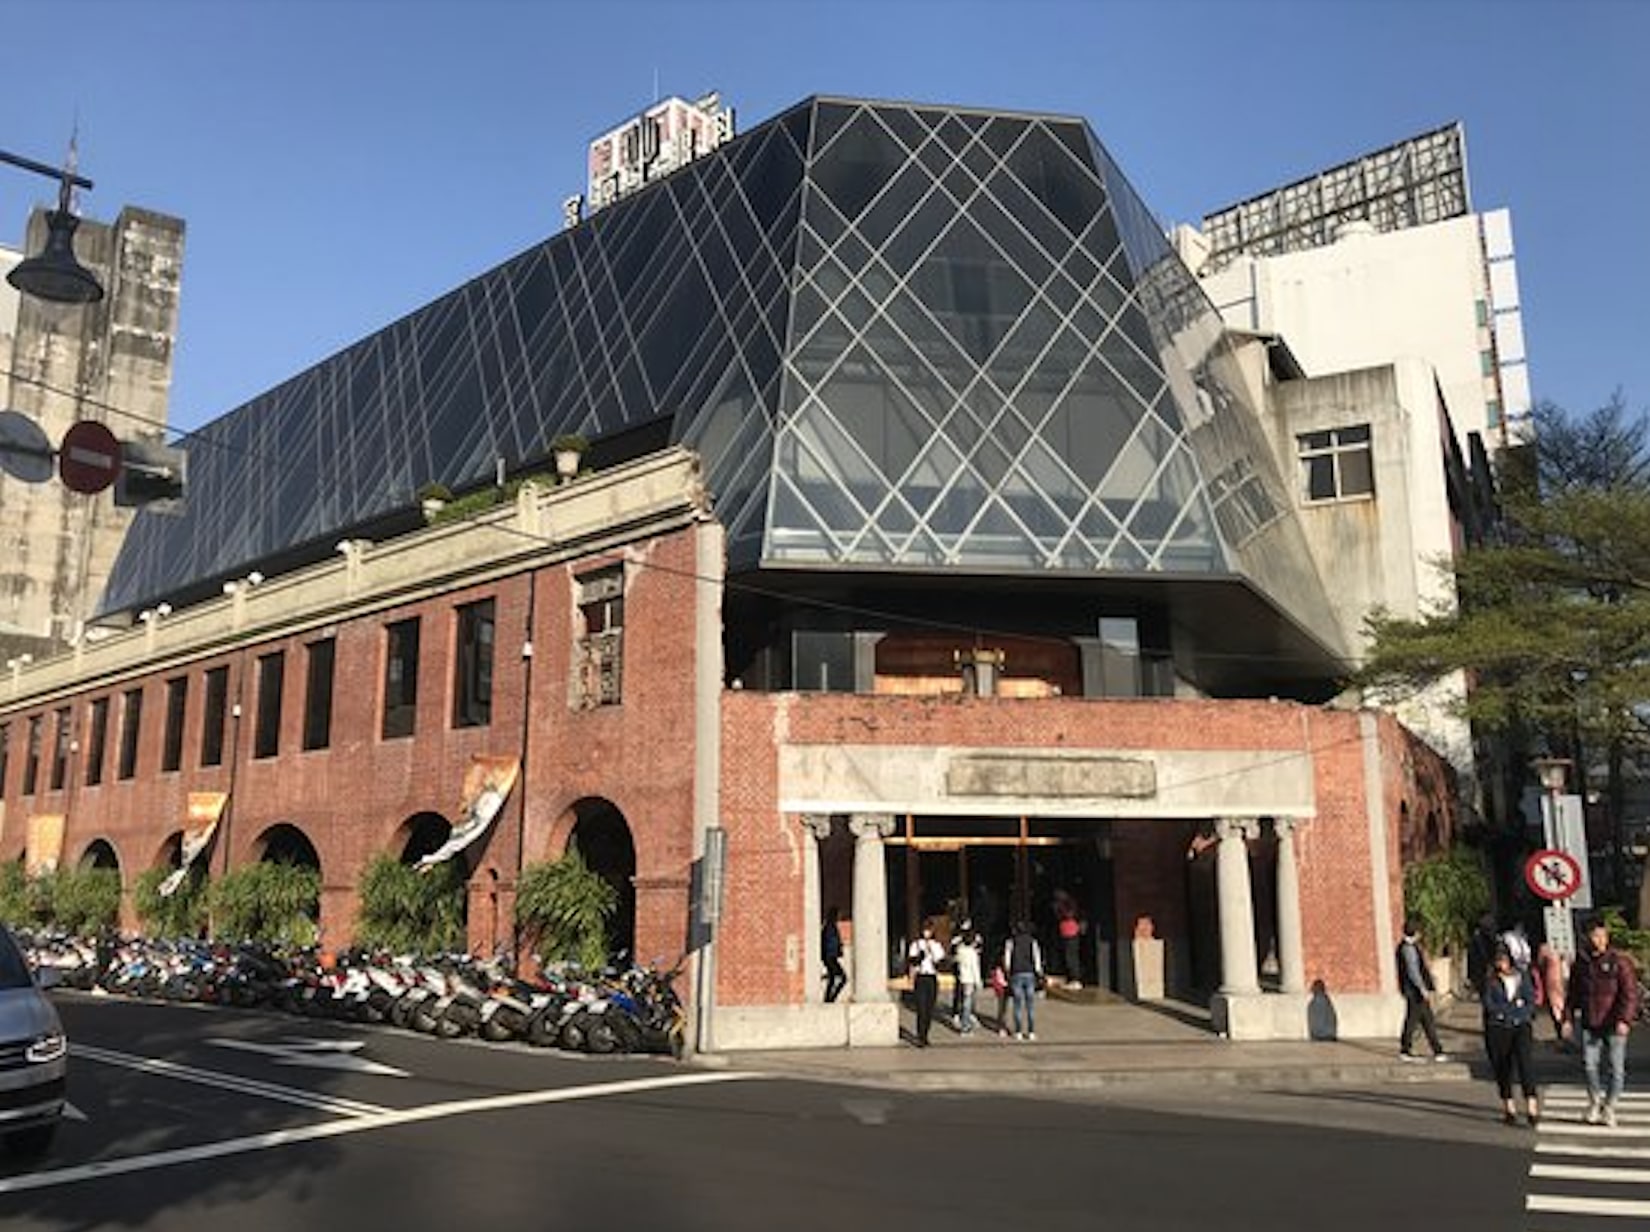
228 1082
1581 1172
337 1129
1555 1204
1591 1149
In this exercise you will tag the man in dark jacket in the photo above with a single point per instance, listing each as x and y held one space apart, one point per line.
1604 999
1415 982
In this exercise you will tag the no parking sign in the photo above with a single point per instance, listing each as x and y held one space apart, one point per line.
1553 875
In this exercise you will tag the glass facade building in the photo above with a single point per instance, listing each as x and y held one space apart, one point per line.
903 339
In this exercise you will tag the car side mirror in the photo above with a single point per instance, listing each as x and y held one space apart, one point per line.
48 977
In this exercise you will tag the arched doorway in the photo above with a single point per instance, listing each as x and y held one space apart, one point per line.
421 834
287 844
603 838
100 853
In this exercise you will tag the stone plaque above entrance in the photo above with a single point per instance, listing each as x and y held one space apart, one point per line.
999 774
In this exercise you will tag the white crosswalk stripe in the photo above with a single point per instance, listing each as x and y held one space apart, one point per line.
1594 1176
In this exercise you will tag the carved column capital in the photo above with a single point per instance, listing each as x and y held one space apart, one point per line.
1288 827
817 824
1236 827
871 825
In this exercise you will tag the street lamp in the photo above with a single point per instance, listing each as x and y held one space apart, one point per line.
1552 773
54 274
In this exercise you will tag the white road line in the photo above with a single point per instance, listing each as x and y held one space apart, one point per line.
227 1082
1581 1172
1554 1204
337 1129
1593 1150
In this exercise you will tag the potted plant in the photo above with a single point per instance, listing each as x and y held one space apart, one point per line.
568 451
433 498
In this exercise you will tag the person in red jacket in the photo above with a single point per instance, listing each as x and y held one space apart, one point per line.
1604 999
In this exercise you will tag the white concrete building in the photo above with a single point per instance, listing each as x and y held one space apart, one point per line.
1400 306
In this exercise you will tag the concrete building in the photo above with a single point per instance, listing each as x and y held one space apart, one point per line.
110 361
938 557
1400 305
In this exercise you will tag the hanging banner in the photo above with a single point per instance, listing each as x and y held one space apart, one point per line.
45 845
205 808
486 784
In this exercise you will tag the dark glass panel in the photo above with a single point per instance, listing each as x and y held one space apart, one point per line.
1048 171
177 701
829 120
319 672
266 738
921 228
894 204
910 131
213 717
856 165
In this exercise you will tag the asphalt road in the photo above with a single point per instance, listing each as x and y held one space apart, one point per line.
191 1121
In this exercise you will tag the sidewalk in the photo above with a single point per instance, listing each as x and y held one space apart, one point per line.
1092 1047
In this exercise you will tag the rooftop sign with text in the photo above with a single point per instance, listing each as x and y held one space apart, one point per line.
668 135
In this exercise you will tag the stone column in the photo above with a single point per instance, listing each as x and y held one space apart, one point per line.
1291 951
870 906
1239 974
817 828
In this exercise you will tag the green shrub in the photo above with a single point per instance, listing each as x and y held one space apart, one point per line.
1447 893
562 909
14 894
84 901
183 914
276 903
1636 941
409 911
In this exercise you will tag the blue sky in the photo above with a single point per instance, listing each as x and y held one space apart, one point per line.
341 162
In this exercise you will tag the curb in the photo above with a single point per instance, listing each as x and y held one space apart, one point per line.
997 1082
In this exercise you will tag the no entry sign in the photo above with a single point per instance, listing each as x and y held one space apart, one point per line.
89 458
1554 875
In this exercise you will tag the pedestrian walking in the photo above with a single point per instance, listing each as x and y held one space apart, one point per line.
830 953
1603 997
1554 975
1415 982
1023 961
925 956
963 930
1481 953
1508 1000
965 966
999 985
1070 927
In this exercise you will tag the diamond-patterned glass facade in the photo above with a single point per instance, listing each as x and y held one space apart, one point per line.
901 337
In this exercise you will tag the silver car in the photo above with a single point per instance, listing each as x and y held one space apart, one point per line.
33 1054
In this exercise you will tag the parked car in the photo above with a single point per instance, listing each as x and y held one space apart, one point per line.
33 1054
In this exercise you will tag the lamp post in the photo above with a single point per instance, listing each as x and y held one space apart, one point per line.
1551 773
54 274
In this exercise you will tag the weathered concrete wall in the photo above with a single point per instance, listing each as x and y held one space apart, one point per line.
109 361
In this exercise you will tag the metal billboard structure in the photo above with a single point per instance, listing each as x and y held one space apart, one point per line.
1417 181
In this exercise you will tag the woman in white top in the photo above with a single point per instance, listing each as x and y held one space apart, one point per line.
925 956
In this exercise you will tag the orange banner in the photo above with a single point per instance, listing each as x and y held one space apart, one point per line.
205 807
486 784
45 845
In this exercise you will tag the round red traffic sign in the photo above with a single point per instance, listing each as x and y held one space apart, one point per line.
1554 875
89 458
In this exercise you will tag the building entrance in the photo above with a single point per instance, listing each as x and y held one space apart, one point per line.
944 870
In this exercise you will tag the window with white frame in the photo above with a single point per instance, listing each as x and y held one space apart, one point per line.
1337 463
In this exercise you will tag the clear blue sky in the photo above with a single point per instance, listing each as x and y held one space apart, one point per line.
341 162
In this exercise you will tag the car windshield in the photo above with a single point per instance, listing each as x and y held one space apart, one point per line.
14 972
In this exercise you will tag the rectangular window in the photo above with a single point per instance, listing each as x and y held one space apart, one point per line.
5 756
1337 463
822 662
323 656
177 700
1120 656
266 735
131 722
598 652
473 666
400 678
60 750
217 707
31 761
97 746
